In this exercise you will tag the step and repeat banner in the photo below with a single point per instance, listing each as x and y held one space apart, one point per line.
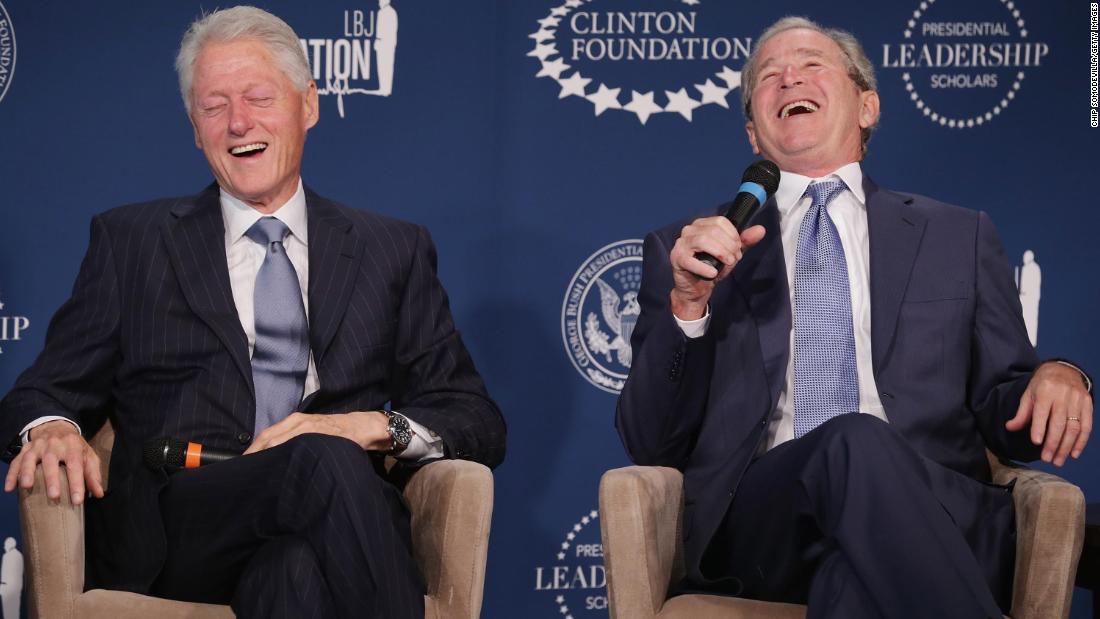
540 140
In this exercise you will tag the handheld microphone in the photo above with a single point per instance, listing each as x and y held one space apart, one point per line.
173 454
758 183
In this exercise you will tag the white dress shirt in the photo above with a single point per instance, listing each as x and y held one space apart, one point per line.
848 211
245 257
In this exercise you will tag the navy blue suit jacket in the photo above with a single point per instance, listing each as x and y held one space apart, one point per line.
152 339
951 355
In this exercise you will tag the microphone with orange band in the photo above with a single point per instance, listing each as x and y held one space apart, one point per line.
172 454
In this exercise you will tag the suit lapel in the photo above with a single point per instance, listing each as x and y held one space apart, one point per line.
195 239
762 278
895 230
333 252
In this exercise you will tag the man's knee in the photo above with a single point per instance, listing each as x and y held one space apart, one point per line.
862 441
332 462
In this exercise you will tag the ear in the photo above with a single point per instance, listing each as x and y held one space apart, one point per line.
868 109
310 108
750 130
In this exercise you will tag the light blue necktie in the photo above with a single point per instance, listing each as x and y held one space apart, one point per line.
281 355
825 379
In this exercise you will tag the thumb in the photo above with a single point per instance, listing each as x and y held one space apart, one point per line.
753 235
1023 413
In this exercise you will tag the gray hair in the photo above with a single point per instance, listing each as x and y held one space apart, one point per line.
860 69
242 22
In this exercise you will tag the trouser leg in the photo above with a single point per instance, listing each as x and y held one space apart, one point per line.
283 581
322 490
923 540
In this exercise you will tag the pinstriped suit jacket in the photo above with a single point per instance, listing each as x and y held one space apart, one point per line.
151 338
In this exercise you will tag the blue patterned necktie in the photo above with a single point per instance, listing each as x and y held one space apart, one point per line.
281 355
825 379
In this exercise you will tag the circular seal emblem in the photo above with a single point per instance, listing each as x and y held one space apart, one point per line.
577 580
7 51
963 64
599 313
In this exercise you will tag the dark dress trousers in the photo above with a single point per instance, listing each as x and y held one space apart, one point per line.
151 339
857 501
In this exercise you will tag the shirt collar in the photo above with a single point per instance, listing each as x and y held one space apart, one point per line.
793 186
239 217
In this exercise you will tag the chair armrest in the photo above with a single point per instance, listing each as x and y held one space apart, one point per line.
1050 529
53 533
641 509
451 508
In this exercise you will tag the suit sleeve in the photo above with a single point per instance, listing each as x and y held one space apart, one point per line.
435 381
73 375
1002 358
662 405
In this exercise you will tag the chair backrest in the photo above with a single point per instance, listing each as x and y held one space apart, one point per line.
102 444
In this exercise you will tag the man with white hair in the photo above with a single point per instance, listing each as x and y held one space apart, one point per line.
259 317
830 391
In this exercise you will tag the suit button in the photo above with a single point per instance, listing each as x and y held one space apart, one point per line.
244 438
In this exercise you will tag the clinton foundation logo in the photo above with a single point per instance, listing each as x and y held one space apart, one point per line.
361 60
7 51
576 581
11 327
600 311
640 57
963 63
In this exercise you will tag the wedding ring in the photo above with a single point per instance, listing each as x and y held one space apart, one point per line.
1073 418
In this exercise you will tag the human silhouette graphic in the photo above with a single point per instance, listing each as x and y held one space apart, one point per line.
1029 279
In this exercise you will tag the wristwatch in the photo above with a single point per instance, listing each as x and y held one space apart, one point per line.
399 431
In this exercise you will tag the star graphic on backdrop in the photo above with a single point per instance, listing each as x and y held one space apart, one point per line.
644 107
605 98
553 68
561 557
680 102
543 51
549 22
542 35
574 85
731 77
573 3
691 2
560 11
713 93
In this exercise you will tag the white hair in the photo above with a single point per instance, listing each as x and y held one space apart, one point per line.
242 22
860 69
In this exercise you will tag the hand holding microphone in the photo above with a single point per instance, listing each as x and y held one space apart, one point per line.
709 247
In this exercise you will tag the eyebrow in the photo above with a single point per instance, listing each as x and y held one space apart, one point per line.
801 51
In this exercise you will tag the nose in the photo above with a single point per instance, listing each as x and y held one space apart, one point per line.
240 120
790 77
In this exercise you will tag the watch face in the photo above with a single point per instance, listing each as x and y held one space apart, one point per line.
399 427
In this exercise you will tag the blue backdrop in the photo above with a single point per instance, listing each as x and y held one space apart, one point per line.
539 140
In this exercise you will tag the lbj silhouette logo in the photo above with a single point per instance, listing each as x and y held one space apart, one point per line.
342 66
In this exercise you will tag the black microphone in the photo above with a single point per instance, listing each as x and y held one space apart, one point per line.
172 454
758 183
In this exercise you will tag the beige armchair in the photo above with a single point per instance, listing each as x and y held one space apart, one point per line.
641 508
451 502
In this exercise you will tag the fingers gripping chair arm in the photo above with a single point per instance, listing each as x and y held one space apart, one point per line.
1050 529
53 534
451 505
641 509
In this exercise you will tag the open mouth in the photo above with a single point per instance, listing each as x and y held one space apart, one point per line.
248 150
803 106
